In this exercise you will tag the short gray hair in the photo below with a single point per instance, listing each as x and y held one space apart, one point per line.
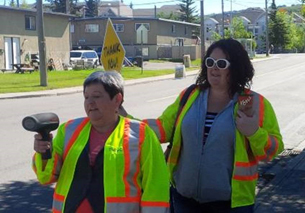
112 81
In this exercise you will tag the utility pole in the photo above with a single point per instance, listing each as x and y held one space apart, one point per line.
67 7
142 52
223 19
267 29
202 30
231 31
41 45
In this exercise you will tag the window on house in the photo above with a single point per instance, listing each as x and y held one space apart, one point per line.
119 28
146 25
30 22
91 28
186 29
173 28
72 28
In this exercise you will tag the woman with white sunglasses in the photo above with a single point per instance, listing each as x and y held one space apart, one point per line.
222 132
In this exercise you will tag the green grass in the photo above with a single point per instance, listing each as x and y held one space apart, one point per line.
12 82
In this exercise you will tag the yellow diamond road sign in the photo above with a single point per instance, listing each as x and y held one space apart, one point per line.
113 51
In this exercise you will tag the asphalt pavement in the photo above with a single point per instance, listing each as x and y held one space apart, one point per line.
281 184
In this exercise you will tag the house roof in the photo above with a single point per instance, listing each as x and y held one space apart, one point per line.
245 19
252 14
136 19
298 18
34 11
213 20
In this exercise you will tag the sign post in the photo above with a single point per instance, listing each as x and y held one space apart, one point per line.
113 53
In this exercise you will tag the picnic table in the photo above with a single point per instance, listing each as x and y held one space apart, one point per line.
21 68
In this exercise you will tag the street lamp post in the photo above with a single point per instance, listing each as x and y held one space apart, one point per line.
267 29
223 19
202 30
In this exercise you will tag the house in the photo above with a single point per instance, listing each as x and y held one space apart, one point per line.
211 25
254 20
155 37
114 9
19 39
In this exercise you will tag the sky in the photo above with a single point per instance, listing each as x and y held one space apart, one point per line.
210 6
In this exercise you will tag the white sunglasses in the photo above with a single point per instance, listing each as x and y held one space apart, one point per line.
220 63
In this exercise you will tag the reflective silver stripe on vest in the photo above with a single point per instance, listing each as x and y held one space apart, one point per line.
133 148
70 129
256 105
58 165
152 123
123 207
154 209
242 171
57 205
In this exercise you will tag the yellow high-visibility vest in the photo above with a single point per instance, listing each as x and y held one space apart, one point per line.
265 144
135 175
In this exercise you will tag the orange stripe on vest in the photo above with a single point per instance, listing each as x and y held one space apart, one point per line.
126 157
75 135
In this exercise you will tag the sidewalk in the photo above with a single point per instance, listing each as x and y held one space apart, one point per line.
286 192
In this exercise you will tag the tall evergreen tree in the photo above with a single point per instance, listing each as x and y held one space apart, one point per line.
188 10
12 3
92 8
279 30
60 6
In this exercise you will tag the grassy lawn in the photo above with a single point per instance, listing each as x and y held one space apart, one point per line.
12 82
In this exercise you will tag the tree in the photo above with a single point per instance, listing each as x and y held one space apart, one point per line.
279 30
302 7
303 10
92 8
172 16
297 35
238 29
12 3
187 10
25 5
60 6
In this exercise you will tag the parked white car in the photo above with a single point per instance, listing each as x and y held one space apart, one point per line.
90 57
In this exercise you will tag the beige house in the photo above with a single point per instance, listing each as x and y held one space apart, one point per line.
156 37
18 36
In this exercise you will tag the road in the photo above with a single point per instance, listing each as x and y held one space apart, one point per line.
280 79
